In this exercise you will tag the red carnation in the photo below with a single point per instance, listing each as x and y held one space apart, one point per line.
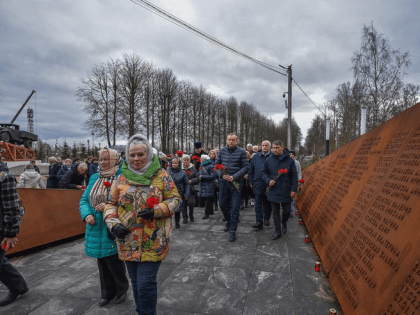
151 202
107 184
200 168
285 170
301 181
3 246
83 187
188 172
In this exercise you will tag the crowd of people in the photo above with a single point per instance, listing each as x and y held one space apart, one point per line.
128 205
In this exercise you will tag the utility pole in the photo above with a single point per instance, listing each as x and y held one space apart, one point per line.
289 109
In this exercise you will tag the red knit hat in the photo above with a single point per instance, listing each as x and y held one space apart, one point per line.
180 153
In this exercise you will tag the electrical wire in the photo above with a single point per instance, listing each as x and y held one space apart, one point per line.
313 103
173 19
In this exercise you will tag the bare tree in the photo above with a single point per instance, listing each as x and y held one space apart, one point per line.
380 69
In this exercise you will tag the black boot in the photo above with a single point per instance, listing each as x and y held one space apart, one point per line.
258 225
11 297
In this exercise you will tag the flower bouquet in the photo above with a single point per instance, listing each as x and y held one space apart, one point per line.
280 172
220 167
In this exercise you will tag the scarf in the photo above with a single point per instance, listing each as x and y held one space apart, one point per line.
141 179
100 191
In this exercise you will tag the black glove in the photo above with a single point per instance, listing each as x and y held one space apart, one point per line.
120 231
147 214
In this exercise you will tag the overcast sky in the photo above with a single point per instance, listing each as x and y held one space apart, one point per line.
49 46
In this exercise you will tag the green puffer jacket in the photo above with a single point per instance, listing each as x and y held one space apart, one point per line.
97 243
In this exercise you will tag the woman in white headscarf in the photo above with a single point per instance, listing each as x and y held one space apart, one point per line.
98 242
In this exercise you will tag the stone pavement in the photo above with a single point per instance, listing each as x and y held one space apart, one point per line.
204 273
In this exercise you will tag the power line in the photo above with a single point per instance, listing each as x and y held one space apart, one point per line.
313 103
173 19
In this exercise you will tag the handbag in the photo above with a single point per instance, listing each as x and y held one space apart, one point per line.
110 235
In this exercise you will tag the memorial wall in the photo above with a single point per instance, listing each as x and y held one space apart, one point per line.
361 206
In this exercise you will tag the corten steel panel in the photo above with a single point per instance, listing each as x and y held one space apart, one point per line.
51 215
361 206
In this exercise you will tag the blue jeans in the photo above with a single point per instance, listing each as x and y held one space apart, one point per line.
262 208
143 280
230 201
9 276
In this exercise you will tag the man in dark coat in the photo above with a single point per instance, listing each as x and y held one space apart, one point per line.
235 160
9 228
256 181
54 168
33 162
279 172
198 152
75 177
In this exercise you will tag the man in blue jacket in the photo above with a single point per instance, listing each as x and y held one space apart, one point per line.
279 172
235 161
256 181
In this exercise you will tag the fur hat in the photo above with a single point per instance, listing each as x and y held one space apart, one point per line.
197 144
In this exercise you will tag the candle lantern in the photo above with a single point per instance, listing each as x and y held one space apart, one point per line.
333 311
296 212
306 238
317 266
300 222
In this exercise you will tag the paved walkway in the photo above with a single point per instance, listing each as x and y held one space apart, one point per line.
204 273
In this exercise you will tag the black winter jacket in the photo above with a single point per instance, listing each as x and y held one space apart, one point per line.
286 183
53 181
63 170
72 178
193 177
235 161
181 182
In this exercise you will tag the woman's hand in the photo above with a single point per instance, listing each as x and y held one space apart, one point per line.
100 207
90 219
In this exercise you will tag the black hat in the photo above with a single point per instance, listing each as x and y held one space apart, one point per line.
293 152
197 144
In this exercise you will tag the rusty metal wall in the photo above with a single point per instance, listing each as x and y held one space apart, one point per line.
51 215
361 207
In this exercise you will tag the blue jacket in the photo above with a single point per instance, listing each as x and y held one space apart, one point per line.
181 182
235 161
93 169
53 181
286 183
97 243
207 178
255 173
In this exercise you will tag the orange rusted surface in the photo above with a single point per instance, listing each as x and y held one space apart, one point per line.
361 206
13 152
51 215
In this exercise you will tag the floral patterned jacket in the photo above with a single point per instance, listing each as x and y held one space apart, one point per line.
149 239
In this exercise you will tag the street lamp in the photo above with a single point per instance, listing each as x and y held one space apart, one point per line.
93 143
